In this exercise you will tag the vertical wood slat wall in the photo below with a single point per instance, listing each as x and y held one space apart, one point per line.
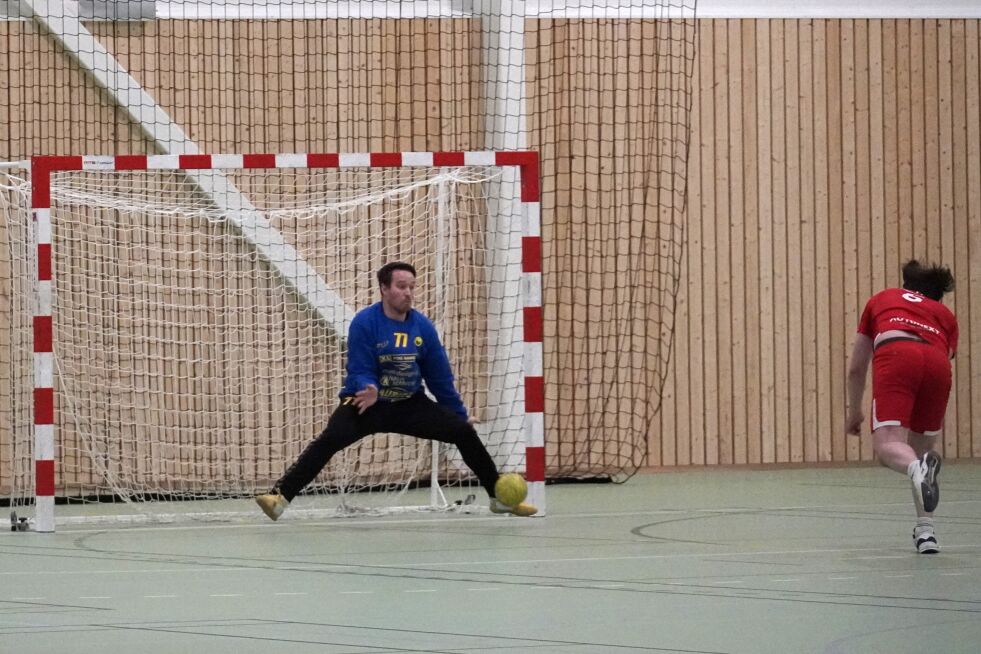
824 154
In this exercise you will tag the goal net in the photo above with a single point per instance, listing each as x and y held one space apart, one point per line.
198 310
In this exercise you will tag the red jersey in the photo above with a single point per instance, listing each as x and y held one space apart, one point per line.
897 308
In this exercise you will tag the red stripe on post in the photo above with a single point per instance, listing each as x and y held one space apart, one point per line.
382 159
535 463
533 324
44 262
44 478
131 162
71 162
41 168
259 161
534 394
528 164
42 334
194 161
323 160
448 158
531 254
43 406
40 188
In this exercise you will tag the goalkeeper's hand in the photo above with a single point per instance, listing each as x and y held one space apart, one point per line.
365 398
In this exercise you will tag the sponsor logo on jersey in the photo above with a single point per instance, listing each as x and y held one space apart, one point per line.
915 323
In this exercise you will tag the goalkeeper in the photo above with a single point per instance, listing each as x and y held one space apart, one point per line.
392 350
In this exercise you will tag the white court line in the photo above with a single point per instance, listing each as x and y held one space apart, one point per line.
123 572
289 593
226 595
896 576
94 597
430 565
421 590
841 578
470 519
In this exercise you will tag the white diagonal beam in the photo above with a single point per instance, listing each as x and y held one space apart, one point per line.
61 19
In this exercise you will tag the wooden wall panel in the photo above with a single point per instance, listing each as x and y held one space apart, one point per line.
257 86
823 154
859 147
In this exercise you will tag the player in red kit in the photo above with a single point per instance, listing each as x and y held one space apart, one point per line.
910 338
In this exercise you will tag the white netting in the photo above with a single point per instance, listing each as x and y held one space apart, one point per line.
16 354
199 326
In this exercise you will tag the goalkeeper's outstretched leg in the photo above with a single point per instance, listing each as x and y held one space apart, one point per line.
394 356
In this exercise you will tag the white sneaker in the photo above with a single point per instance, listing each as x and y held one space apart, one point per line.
272 504
925 540
524 509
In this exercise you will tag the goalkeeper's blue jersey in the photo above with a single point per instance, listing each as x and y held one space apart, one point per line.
397 357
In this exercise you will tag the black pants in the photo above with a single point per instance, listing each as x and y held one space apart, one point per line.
417 416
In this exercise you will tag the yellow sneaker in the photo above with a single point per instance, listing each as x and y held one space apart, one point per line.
524 509
272 504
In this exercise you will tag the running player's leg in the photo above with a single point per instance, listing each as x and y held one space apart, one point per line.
926 423
924 534
892 448
900 371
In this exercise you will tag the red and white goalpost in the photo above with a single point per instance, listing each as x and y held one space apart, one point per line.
191 314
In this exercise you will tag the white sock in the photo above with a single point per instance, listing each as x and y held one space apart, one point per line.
923 526
913 467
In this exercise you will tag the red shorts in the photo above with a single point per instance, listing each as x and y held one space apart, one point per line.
910 386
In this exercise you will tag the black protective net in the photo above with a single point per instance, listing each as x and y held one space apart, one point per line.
600 88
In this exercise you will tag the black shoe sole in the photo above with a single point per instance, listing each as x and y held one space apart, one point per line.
929 488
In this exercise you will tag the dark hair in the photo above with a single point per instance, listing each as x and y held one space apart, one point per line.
932 281
385 272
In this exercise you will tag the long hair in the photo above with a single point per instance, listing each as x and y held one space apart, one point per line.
932 281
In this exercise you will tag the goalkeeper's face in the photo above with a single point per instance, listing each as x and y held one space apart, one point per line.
397 296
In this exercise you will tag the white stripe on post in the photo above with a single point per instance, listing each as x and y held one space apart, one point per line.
291 161
355 159
44 298
44 370
44 442
531 288
417 158
480 158
163 162
42 225
227 161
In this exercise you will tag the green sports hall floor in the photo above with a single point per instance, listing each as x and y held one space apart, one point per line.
727 561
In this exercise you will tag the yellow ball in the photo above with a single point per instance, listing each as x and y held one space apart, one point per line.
511 489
